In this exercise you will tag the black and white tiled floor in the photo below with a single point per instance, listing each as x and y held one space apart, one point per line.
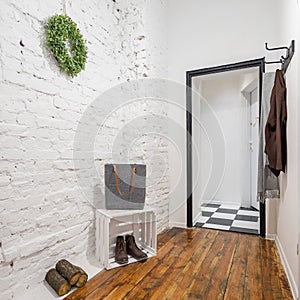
229 217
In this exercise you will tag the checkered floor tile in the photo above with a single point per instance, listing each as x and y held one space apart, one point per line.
229 217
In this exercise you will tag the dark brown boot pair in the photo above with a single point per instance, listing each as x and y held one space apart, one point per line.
123 249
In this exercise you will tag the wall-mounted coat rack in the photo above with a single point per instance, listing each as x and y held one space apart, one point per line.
284 60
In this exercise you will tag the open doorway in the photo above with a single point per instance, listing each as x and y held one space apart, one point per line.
223 107
250 93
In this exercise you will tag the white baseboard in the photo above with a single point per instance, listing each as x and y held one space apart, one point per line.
177 224
271 236
198 215
287 269
214 201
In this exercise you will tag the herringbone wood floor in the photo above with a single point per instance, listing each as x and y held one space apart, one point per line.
197 264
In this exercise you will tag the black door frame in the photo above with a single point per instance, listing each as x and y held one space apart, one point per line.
260 63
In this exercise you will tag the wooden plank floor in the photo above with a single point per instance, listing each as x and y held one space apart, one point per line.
197 264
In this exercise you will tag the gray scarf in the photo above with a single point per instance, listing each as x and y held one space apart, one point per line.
267 182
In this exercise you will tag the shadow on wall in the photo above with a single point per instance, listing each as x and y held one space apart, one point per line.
98 203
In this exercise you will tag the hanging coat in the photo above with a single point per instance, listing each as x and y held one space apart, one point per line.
275 130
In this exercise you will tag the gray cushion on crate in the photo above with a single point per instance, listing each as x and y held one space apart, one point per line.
133 200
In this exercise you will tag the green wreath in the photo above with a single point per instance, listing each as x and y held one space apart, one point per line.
61 29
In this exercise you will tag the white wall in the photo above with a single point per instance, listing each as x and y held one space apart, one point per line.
44 215
298 95
208 33
288 206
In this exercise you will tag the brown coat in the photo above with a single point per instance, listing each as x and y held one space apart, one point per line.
275 130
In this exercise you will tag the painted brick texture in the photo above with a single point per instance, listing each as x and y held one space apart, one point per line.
44 215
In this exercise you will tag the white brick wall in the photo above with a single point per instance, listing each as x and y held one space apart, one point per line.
44 217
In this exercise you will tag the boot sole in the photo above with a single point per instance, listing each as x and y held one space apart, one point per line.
121 262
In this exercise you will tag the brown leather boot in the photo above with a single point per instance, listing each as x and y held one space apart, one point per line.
133 250
120 251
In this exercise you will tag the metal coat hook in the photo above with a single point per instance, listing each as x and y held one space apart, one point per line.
274 62
284 60
275 48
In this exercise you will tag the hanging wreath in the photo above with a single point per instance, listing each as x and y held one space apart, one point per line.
66 44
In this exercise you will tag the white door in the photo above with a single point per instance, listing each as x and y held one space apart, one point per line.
254 135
